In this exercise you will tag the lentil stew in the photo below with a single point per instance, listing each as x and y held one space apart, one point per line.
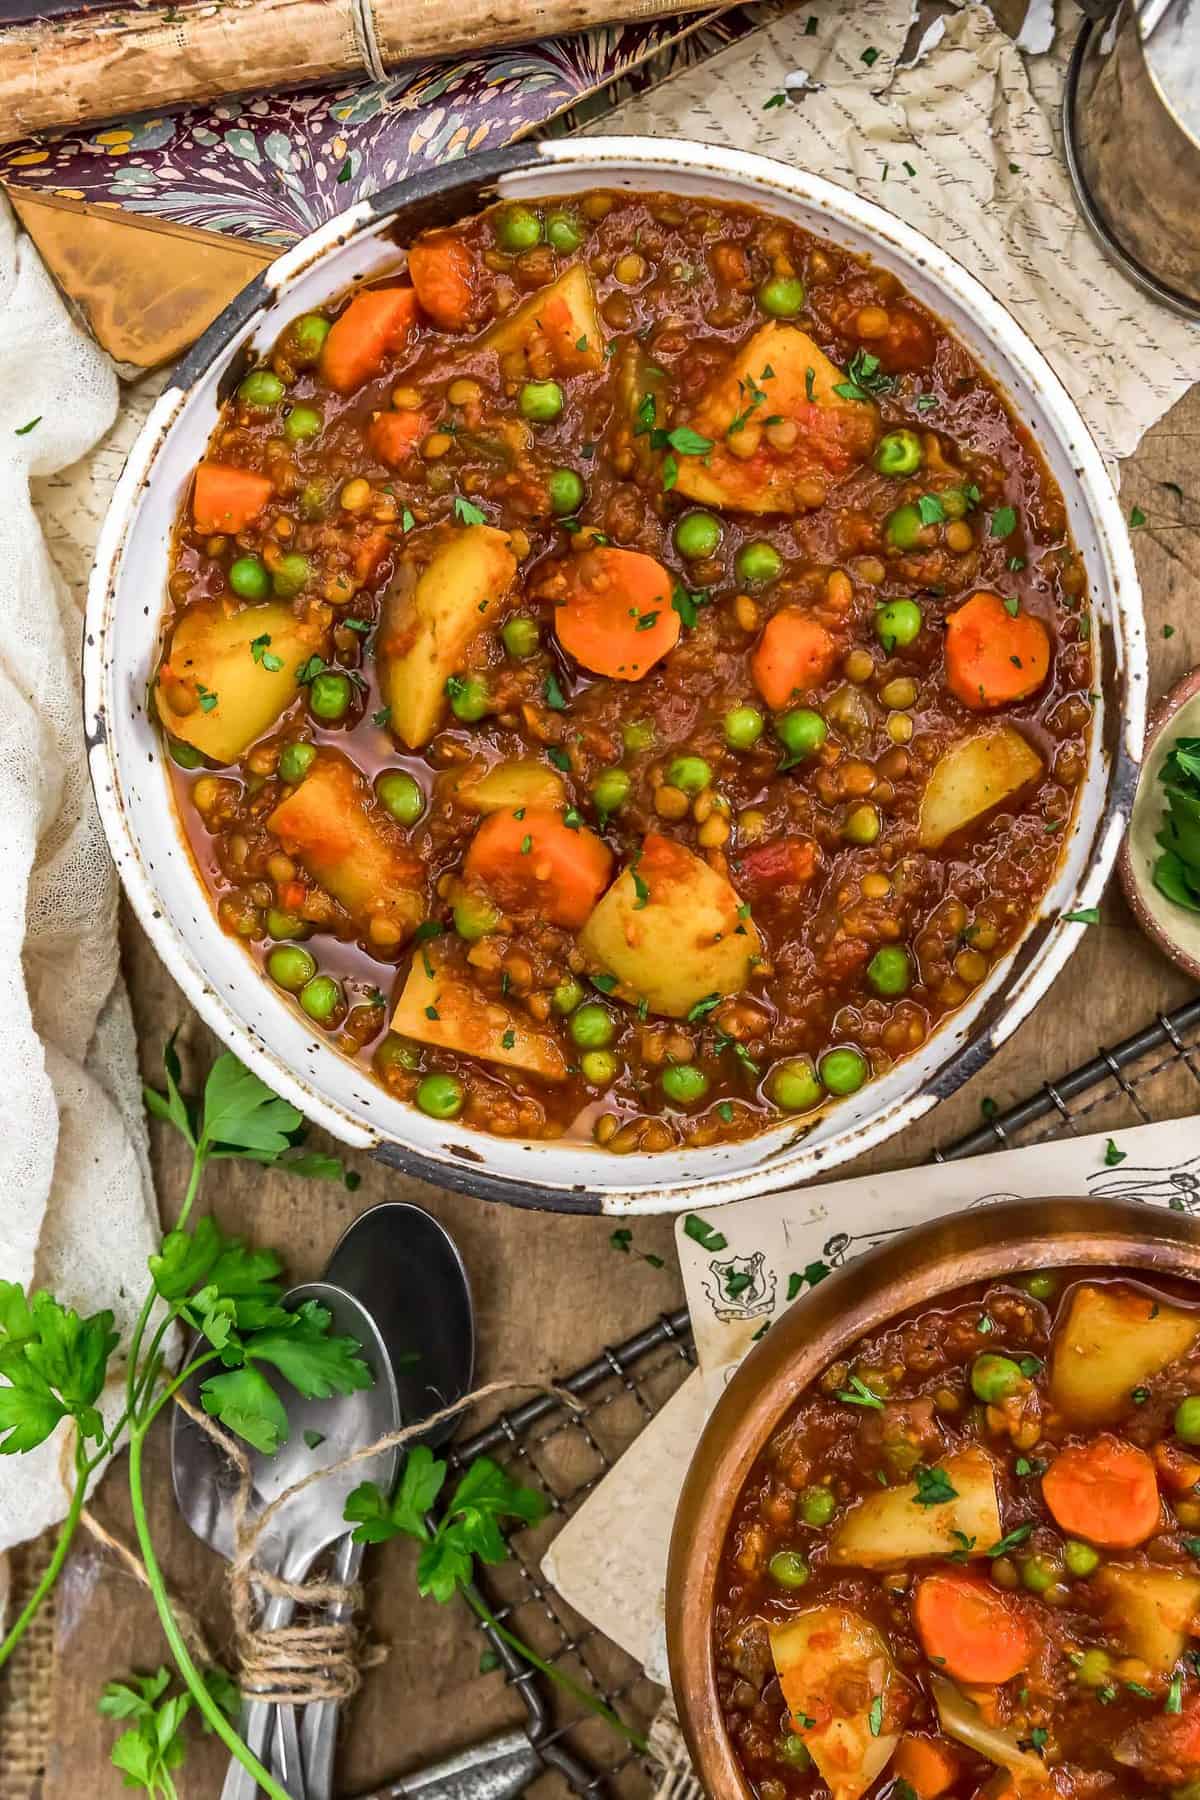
966 1562
628 675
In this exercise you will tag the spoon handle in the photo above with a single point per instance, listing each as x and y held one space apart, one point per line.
318 1729
254 1724
498 1769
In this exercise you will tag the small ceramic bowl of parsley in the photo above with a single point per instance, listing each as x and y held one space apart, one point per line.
1160 861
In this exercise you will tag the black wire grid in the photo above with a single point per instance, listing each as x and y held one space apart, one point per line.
1154 1074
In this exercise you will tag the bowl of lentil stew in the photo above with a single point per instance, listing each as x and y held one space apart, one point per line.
730 696
938 1535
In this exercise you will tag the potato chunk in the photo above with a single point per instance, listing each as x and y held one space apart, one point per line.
1110 1337
962 1720
796 381
564 313
227 676
971 778
512 783
441 1008
1150 1611
332 826
672 931
430 617
834 1668
889 1528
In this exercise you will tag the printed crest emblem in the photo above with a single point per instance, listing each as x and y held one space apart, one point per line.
742 1287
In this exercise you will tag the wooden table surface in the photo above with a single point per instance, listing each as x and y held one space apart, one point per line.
550 1290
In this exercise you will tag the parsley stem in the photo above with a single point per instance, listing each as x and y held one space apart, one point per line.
53 1569
581 1694
196 1684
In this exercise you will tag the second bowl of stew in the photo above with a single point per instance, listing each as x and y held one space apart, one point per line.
638 662
946 1544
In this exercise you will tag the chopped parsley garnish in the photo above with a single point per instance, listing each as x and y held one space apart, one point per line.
1012 608
864 378
606 983
775 100
870 56
1004 522
508 1040
704 1234
206 697
559 758
555 698
261 654
985 1324
687 604
467 513
1113 1156
859 1394
1010 1540
1083 915
1174 1700
702 1007
931 509
1136 517
875 1716
934 1487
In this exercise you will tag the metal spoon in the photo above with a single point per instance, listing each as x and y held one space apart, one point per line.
406 1270
321 1432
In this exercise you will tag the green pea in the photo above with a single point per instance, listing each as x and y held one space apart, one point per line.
898 624
520 636
782 297
610 790
474 917
396 1053
291 967
261 390
743 727
637 735
1187 1419
1038 1574
249 579
540 402
468 698
1081 1559
518 228
599 1067
441 1096
329 695
565 489
290 574
757 563
898 453
801 732
684 1083
1093 1669
401 794
295 760
861 824
955 503
185 755
794 1751
789 1569
314 500
697 535
284 925
592 1027
321 998
691 774
817 1506
843 1071
563 232
308 337
566 996
995 1378
903 527
793 1085
302 422
1040 1286
889 970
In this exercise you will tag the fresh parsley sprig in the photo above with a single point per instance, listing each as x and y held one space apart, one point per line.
470 1525
54 1364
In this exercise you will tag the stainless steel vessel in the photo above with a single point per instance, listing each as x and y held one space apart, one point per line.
1131 124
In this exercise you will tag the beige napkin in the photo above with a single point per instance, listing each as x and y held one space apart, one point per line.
76 1205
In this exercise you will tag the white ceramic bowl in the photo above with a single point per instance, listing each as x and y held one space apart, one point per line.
122 633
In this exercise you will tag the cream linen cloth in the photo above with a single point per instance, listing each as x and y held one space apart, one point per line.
77 1212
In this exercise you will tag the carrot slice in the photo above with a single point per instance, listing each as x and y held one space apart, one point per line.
375 322
928 1764
1104 1491
530 859
992 656
368 556
970 1629
440 269
617 618
392 436
228 499
793 654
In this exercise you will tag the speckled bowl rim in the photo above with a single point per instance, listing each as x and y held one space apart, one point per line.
1185 692
131 784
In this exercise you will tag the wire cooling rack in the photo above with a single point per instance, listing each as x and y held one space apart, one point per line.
1153 1074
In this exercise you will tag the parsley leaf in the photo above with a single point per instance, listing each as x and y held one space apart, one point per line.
1003 522
1113 1156
933 1487
864 378
467 513
1010 1540
555 698
704 1234
687 604
1083 915
859 1394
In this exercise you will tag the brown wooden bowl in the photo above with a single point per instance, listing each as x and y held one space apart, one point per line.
915 1269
